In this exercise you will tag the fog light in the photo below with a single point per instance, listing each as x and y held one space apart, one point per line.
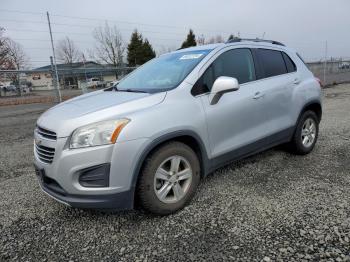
96 176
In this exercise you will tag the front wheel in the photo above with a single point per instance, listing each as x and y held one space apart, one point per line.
169 179
306 134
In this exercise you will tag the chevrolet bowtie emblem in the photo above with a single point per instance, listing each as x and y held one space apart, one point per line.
38 141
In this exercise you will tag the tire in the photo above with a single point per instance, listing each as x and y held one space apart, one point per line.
152 188
297 146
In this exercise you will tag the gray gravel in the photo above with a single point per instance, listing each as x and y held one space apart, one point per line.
270 207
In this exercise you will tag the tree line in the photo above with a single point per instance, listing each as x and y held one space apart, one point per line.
109 48
12 56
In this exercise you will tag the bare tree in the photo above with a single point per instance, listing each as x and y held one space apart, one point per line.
216 39
16 57
164 50
219 39
201 40
4 50
67 51
12 55
109 47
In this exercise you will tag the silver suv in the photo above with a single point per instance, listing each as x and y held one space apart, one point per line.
150 139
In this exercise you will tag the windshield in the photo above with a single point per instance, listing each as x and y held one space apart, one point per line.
163 73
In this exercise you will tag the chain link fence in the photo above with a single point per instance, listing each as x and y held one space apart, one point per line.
331 72
35 86
38 86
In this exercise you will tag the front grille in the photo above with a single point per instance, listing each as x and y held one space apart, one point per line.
46 133
45 153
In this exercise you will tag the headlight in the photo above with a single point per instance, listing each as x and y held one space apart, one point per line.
101 133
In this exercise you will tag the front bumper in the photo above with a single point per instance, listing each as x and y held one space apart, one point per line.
120 201
66 166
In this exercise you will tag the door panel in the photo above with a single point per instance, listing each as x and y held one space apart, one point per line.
258 110
233 120
275 104
278 85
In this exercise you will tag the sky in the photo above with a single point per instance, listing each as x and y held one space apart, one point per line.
305 25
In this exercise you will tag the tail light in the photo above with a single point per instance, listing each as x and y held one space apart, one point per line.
319 81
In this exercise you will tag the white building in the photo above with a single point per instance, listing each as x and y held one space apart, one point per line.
71 75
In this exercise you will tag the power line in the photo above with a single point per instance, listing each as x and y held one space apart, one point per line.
130 30
77 33
37 48
21 21
84 26
138 23
21 12
80 24
46 40
118 21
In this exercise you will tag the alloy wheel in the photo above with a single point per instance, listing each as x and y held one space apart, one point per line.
172 179
308 132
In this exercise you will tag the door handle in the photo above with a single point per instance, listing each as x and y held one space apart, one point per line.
258 95
296 81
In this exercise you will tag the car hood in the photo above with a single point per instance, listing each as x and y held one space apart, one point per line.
94 107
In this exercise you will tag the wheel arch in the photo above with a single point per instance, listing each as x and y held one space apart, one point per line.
189 138
314 106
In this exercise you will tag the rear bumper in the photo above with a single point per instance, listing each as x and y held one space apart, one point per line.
118 201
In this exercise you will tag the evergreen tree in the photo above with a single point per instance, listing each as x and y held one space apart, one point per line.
135 49
139 51
190 40
147 52
232 37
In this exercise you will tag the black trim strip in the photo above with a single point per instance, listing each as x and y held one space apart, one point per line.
281 137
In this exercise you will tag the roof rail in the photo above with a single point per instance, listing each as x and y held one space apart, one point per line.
254 40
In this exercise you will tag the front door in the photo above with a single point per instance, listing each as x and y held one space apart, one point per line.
234 120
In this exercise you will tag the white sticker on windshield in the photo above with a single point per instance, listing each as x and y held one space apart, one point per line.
190 56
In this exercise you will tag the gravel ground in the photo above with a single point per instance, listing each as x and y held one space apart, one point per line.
271 207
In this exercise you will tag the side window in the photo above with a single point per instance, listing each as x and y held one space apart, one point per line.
204 83
208 78
237 63
272 62
291 67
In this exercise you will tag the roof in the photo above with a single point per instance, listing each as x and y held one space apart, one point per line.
255 40
237 41
199 48
70 66
80 68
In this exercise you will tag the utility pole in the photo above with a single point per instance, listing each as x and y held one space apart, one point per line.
54 80
83 87
325 64
57 84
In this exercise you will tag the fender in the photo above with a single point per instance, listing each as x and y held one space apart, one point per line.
311 102
170 136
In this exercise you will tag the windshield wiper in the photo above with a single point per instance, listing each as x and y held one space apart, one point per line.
132 90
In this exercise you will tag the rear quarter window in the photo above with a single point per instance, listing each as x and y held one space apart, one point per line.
272 62
291 67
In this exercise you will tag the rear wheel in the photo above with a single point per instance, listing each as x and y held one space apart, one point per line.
306 134
169 179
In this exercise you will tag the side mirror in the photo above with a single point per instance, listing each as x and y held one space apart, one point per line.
222 84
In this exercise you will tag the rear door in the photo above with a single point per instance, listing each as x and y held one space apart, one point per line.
277 79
